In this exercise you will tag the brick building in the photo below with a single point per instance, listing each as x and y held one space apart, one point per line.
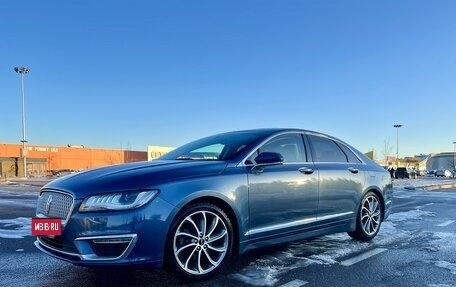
44 160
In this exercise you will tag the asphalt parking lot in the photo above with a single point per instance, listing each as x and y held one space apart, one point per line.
415 247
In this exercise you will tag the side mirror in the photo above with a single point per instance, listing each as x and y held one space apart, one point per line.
266 159
269 158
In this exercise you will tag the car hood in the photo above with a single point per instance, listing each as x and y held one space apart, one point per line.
133 176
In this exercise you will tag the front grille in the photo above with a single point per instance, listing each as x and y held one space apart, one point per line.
54 204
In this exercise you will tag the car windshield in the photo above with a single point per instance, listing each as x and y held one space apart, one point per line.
218 147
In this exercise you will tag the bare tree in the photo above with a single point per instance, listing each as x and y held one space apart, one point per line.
387 149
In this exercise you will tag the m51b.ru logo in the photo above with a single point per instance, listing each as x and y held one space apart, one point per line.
46 226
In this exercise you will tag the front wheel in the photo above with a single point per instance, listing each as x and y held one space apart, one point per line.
200 241
369 218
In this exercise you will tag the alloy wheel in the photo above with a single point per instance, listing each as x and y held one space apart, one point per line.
370 215
200 242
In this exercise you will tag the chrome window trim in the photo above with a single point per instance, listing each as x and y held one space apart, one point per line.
354 153
242 163
302 133
335 162
339 142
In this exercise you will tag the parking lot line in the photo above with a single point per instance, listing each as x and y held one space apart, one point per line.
362 257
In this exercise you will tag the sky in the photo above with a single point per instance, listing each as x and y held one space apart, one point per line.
128 74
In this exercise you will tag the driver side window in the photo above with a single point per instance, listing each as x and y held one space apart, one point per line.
290 146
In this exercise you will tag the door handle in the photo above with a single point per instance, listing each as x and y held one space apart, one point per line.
306 170
353 170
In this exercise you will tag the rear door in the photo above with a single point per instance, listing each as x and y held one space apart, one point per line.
341 180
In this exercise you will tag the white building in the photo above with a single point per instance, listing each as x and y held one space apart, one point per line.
154 152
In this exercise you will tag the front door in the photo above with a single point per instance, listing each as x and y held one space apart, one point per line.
283 197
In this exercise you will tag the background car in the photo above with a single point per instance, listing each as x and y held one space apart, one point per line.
443 173
401 172
197 206
430 173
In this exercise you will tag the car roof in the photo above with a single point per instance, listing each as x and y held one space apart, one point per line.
267 131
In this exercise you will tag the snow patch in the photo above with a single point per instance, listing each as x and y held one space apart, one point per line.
19 193
326 250
15 228
263 276
322 251
446 265
416 214
444 241
422 182
23 203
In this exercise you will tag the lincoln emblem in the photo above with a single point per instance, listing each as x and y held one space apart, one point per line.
48 204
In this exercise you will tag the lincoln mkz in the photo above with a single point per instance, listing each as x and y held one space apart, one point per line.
203 203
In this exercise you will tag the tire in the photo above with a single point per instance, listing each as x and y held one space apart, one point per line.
369 218
200 242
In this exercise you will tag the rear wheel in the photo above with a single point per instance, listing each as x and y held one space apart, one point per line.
200 241
369 218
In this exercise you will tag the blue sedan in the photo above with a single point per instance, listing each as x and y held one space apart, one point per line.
197 206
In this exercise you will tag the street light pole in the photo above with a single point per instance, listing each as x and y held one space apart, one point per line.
454 159
22 71
397 144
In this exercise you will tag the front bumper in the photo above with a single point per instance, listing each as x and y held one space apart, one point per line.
94 248
112 238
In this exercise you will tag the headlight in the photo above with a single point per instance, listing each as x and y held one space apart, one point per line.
117 201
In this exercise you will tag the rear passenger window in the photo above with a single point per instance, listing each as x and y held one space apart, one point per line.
326 150
350 155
